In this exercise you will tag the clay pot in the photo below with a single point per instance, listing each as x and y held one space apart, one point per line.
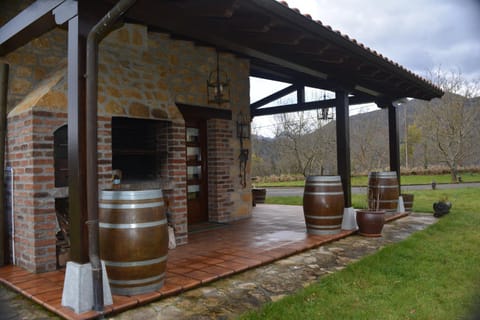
370 223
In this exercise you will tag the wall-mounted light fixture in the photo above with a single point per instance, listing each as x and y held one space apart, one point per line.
218 85
243 127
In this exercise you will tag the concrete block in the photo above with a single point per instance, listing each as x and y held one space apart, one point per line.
401 205
78 287
349 221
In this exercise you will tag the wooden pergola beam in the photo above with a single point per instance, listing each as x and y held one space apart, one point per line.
311 105
27 25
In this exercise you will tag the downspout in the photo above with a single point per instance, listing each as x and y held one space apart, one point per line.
98 32
3 129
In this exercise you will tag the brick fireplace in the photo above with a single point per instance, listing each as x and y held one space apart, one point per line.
143 79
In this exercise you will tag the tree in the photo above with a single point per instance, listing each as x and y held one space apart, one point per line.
369 141
450 124
412 139
302 142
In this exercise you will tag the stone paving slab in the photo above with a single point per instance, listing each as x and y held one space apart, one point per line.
230 297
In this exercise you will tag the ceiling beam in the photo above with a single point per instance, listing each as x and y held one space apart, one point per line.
312 105
275 96
27 25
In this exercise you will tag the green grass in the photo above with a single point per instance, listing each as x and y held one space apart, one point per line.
359 181
434 274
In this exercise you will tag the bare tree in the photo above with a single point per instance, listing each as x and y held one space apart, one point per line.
450 124
369 141
302 144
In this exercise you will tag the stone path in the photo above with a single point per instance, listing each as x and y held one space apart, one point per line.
227 298
14 306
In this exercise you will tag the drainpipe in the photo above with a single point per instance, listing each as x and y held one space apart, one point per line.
98 32
3 129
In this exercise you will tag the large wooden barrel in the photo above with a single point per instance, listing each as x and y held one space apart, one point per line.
133 239
383 191
323 204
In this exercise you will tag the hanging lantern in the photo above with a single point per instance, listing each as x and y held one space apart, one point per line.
218 86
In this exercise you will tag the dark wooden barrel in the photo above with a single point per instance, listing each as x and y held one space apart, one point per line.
133 239
383 190
323 204
408 201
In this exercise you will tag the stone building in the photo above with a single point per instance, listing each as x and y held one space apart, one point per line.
156 123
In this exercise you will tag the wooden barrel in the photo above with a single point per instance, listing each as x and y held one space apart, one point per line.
383 191
323 204
408 201
133 239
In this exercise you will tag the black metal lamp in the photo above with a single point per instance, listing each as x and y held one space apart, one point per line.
218 86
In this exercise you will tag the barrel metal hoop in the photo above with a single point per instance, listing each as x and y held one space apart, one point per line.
323 184
138 281
322 193
131 194
130 205
135 263
313 226
132 225
323 217
383 187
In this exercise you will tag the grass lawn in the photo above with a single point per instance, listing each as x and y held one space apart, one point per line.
434 274
358 181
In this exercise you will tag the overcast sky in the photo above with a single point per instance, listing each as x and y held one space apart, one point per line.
421 35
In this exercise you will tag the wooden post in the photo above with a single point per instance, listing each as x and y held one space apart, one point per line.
76 143
394 141
343 144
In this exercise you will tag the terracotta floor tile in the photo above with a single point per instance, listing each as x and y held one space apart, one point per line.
34 283
48 296
198 265
179 270
217 270
147 297
169 289
235 266
201 276
121 303
183 282
43 289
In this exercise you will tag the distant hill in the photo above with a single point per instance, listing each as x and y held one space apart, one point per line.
368 142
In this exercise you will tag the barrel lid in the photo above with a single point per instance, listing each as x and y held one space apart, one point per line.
110 194
323 178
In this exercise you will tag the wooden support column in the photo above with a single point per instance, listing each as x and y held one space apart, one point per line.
76 143
394 141
343 144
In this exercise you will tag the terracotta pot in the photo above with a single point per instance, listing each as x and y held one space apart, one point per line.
408 201
370 223
258 195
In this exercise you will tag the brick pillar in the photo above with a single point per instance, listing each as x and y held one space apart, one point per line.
176 175
30 153
220 160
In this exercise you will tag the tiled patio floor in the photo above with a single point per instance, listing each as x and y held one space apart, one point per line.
272 233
